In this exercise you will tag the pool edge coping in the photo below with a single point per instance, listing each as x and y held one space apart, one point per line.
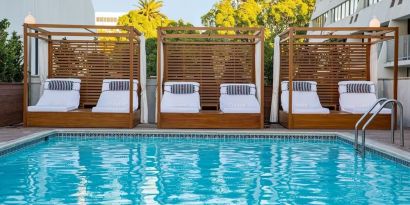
371 144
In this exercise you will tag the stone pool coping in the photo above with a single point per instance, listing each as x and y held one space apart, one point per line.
386 151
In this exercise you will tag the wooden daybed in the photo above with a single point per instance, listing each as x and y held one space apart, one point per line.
210 56
328 56
89 53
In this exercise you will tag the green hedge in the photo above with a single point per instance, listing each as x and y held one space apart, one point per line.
11 55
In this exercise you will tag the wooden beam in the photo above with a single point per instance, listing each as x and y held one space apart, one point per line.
290 68
210 28
159 76
206 43
25 89
131 105
262 81
339 36
209 36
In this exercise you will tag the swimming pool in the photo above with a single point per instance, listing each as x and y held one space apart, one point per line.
179 170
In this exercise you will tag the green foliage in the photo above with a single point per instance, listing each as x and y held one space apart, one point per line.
11 55
274 15
146 18
151 49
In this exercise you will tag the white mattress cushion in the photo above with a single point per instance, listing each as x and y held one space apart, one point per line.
239 104
116 100
51 108
303 102
174 102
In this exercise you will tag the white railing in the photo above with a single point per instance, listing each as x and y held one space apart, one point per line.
404 49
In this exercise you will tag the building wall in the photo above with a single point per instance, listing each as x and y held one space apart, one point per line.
47 11
107 18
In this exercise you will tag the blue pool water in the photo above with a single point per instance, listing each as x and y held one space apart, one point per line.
199 171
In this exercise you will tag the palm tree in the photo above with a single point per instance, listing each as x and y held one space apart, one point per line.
151 9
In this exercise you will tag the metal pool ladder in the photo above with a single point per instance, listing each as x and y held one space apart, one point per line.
384 102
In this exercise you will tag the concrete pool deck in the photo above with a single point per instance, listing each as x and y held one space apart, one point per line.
378 138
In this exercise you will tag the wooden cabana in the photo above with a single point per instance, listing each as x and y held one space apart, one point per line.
89 53
210 56
328 56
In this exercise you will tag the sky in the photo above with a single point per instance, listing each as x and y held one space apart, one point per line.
188 10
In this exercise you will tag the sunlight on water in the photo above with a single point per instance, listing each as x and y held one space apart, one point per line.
178 171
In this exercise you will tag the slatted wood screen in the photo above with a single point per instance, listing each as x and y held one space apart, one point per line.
92 62
210 65
327 64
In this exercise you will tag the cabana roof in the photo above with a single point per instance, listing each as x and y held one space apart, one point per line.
210 56
329 55
90 53
45 31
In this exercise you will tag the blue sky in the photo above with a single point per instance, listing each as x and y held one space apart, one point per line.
189 10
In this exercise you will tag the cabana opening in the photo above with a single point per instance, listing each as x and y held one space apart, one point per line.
211 59
328 59
90 55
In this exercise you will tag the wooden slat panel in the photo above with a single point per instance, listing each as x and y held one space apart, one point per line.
210 65
327 65
92 62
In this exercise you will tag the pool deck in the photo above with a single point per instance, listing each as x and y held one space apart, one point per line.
381 137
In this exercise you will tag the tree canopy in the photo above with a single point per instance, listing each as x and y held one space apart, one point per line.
274 15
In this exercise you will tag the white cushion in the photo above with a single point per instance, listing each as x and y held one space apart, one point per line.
106 84
343 88
303 102
180 103
239 104
40 108
167 85
76 82
116 101
284 85
224 85
357 103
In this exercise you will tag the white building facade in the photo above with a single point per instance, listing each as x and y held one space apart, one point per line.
78 12
107 18
390 13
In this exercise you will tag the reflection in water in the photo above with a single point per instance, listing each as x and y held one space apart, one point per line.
178 171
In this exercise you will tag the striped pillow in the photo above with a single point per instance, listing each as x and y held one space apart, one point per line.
182 88
119 85
301 86
60 85
238 90
358 88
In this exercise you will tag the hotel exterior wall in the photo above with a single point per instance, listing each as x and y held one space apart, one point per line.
47 11
385 86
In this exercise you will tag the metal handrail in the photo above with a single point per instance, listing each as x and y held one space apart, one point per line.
356 127
396 103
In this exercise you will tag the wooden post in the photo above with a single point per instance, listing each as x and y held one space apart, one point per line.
368 56
159 74
262 84
25 89
290 85
131 105
50 57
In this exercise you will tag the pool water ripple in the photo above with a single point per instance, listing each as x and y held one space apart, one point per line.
195 171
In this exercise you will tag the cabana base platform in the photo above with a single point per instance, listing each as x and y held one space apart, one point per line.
334 120
210 120
82 119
